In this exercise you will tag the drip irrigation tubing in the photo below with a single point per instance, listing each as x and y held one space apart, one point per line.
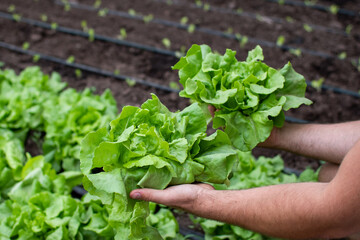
86 35
140 46
85 68
256 16
317 7
203 30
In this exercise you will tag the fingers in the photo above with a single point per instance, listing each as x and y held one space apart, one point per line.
152 195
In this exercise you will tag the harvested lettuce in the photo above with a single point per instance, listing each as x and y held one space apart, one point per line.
251 96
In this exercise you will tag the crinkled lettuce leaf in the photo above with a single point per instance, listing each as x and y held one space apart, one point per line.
251 97
151 147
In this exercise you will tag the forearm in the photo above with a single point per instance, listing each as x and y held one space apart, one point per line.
285 211
328 142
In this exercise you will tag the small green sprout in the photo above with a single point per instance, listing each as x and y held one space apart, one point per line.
169 2
334 9
54 26
130 82
259 17
166 42
44 17
184 20
348 29
84 25
310 2
280 40
132 12
122 34
281 2
238 36
229 30
244 40
289 19
103 12
97 4
26 45
148 18
317 84
116 72
36 58
91 33
296 52
67 7
11 8
342 55
16 17
78 73
356 64
174 85
239 10
198 3
206 7
70 59
307 28
191 28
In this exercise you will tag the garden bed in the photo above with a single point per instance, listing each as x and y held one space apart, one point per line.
328 107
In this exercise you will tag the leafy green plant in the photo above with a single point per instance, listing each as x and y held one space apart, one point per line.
103 12
26 45
11 8
123 34
91 33
307 27
191 28
334 9
67 7
317 84
36 58
16 17
70 59
251 96
151 147
132 12
97 4
280 40
84 25
54 26
206 7
148 18
166 42
44 17
78 73
295 51
130 82
184 20
348 29
342 55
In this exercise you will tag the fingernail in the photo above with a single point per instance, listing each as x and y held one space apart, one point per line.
137 195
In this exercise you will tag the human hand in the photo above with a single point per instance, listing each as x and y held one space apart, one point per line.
185 197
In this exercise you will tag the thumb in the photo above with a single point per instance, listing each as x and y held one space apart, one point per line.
152 195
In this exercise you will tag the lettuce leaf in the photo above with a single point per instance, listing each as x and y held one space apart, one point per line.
251 97
151 147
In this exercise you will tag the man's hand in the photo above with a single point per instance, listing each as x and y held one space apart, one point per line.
182 196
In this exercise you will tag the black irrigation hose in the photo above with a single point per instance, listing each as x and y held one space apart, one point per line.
317 7
203 30
86 35
140 46
86 67
256 16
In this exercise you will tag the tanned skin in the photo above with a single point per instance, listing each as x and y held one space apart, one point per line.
328 209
